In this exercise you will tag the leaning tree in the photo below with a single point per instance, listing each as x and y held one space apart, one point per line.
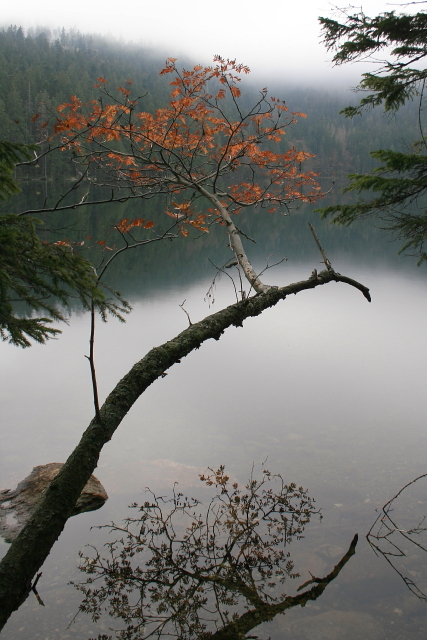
210 159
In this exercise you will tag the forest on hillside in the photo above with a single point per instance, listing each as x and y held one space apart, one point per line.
40 70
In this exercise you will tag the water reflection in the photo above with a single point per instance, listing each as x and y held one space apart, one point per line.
185 568
399 535
328 387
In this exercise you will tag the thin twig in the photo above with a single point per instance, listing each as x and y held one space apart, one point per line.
321 249
105 266
221 270
334 274
385 529
242 233
91 359
267 267
186 312
34 590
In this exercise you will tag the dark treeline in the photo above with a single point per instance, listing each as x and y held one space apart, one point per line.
343 145
40 70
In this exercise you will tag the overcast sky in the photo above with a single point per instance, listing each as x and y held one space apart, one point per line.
278 38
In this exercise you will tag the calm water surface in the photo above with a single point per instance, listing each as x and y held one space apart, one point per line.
329 388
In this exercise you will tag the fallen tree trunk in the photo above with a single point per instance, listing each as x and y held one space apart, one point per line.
31 547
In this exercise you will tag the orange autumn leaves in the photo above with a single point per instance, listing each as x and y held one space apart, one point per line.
200 146
184 214
126 225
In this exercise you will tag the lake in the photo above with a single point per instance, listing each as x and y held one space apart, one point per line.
329 389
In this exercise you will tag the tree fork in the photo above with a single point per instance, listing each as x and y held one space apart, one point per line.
32 546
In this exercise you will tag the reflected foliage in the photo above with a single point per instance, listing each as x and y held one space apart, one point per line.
199 564
182 569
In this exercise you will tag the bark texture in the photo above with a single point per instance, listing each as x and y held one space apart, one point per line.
33 544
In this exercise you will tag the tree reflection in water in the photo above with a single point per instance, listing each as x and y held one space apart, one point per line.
182 569
399 534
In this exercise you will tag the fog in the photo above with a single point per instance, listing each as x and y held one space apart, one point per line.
279 42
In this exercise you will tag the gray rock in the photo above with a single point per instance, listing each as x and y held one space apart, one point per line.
18 505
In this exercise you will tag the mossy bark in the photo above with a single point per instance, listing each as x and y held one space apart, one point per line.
30 549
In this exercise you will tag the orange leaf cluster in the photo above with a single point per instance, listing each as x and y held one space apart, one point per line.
184 214
191 144
126 225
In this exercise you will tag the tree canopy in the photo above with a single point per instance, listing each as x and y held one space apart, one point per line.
399 184
205 148
185 152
